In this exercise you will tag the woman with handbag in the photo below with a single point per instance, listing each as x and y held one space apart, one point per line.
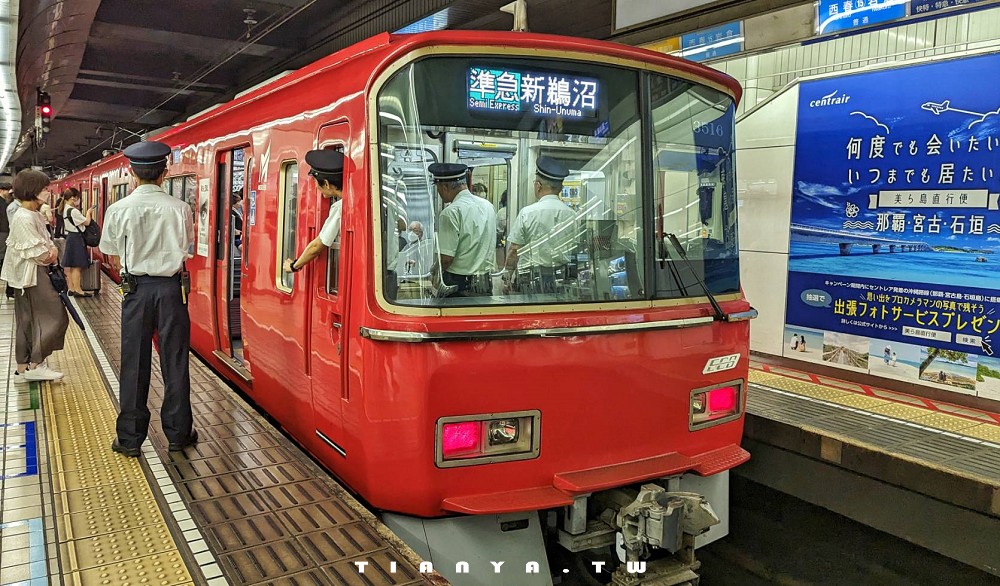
76 257
40 318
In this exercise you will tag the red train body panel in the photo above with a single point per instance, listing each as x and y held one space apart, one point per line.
615 408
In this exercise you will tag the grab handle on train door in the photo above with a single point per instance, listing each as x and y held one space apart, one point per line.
337 327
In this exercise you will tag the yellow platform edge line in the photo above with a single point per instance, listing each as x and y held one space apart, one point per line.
103 547
941 420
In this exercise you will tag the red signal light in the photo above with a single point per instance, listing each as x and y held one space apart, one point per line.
46 110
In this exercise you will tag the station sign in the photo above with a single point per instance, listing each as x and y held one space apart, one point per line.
503 90
711 43
843 15
668 46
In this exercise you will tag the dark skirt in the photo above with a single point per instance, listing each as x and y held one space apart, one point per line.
76 251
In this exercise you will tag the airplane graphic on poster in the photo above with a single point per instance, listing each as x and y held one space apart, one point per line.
938 108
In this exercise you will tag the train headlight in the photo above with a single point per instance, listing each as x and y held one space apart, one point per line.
468 440
716 404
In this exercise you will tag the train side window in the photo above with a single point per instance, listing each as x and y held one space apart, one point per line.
287 214
333 254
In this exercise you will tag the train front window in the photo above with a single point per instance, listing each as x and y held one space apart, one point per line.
694 196
525 238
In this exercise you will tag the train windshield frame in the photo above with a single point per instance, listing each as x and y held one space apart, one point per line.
651 166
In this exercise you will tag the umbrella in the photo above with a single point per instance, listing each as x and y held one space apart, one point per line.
58 278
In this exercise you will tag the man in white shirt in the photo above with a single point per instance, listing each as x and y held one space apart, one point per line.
328 171
467 230
147 235
542 237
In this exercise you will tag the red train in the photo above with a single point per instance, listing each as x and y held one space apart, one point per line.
463 417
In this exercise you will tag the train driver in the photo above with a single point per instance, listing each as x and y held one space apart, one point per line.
542 236
328 171
148 235
466 231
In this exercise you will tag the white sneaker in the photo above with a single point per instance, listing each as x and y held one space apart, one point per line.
40 373
19 377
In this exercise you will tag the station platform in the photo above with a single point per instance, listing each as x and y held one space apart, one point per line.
926 471
243 506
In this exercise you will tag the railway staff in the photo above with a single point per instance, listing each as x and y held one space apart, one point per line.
328 171
466 231
147 236
542 236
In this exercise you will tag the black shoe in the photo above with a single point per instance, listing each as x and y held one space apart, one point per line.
129 452
190 441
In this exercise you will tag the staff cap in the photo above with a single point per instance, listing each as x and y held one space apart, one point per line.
325 162
551 169
448 171
147 153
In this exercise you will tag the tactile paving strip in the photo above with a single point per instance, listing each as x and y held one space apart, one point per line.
936 438
268 514
110 528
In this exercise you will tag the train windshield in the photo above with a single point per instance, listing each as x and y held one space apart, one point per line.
585 183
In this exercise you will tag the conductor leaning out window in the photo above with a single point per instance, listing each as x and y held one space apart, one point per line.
327 167
147 236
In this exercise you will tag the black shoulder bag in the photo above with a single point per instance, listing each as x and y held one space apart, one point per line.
91 232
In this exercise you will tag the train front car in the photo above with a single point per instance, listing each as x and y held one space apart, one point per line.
591 398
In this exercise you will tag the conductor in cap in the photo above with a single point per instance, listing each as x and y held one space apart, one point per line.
327 168
541 242
147 236
466 230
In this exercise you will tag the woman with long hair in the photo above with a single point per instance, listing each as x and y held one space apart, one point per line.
76 258
40 317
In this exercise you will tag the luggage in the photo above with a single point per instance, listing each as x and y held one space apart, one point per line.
90 278
61 245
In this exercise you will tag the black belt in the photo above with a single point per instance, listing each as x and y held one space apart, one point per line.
154 279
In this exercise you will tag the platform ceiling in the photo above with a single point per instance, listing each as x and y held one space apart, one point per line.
118 67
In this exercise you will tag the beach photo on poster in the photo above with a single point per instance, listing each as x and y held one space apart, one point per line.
988 377
803 343
846 350
948 369
894 360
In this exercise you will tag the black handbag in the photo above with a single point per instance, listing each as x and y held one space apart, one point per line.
91 232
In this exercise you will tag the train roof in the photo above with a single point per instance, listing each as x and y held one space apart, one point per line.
392 46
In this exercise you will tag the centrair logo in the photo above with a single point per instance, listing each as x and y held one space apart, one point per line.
830 99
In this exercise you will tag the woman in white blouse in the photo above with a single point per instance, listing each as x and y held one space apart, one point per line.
40 317
76 258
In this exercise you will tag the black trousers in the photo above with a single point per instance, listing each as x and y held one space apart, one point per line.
155 306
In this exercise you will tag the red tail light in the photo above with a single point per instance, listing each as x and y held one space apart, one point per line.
458 439
715 404
467 440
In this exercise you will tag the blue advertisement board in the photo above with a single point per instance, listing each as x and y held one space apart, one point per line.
711 43
894 256
842 15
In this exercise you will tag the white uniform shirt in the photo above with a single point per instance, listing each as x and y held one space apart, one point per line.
467 231
544 233
78 218
330 232
12 208
159 229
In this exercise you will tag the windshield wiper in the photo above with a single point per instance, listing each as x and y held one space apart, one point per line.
719 314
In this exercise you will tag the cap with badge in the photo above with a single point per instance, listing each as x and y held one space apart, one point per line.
552 169
448 171
325 162
147 153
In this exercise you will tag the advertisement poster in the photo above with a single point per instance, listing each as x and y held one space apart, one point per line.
894 260
203 214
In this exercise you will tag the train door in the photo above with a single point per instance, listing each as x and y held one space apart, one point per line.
329 309
229 195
